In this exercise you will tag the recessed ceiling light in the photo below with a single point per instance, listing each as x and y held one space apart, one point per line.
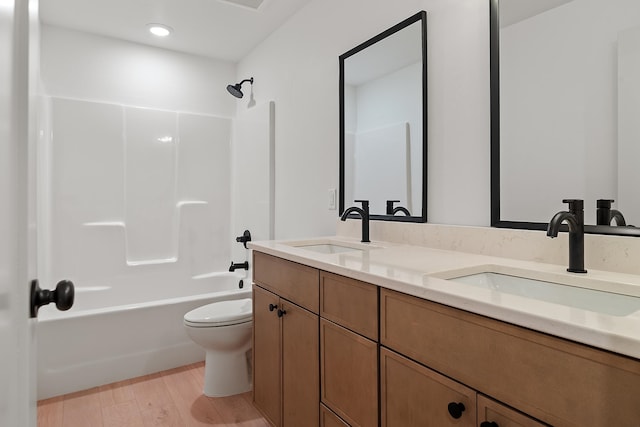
159 30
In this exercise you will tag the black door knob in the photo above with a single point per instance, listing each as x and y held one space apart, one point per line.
63 296
273 307
456 409
489 424
281 313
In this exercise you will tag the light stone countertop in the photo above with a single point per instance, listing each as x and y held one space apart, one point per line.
422 272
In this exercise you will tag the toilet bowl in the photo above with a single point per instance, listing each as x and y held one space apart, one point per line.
223 329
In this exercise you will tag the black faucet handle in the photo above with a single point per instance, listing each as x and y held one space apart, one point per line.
604 203
575 205
390 206
365 205
246 237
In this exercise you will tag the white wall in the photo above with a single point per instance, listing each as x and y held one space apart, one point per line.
628 124
297 67
390 100
559 108
84 66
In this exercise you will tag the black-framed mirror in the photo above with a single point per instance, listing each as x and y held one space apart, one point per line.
564 96
383 123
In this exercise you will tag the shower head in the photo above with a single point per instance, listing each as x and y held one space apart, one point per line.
236 90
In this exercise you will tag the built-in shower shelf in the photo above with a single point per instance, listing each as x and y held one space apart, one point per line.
152 261
104 224
191 203
123 226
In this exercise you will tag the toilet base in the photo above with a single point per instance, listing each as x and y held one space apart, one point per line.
226 374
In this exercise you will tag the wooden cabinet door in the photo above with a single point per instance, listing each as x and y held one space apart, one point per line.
413 395
490 411
300 372
267 389
349 374
329 419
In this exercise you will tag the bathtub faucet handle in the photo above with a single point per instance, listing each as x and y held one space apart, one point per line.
239 265
246 237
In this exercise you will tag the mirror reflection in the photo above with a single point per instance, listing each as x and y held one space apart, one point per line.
569 94
383 121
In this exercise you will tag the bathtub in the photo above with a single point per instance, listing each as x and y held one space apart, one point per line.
113 333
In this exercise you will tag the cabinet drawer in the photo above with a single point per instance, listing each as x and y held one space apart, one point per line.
349 374
350 303
329 419
415 396
554 380
295 282
490 411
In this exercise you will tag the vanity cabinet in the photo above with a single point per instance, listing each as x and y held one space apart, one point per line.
349 348
285 342
551 379
333 351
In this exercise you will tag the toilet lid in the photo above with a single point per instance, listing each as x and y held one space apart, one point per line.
221 313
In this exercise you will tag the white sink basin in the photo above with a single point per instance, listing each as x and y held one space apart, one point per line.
331 246
328 248
557 293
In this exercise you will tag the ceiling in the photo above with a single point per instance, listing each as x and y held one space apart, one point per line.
221 29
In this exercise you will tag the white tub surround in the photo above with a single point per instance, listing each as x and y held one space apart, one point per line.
420 271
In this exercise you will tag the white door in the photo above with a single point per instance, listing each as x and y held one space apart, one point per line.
17 236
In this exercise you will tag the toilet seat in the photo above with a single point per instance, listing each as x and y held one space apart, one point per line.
221 313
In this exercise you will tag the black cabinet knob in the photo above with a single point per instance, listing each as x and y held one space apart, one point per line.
281 313
456 409
273 307
489 424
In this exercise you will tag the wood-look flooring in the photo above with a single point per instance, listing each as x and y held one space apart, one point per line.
169 398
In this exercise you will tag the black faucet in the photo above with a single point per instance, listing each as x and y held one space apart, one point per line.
604 213
364 214
392 211
240 265
575 220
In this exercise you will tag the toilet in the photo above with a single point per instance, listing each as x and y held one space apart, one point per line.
223 329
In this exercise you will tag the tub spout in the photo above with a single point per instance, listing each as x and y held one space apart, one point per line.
240 265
